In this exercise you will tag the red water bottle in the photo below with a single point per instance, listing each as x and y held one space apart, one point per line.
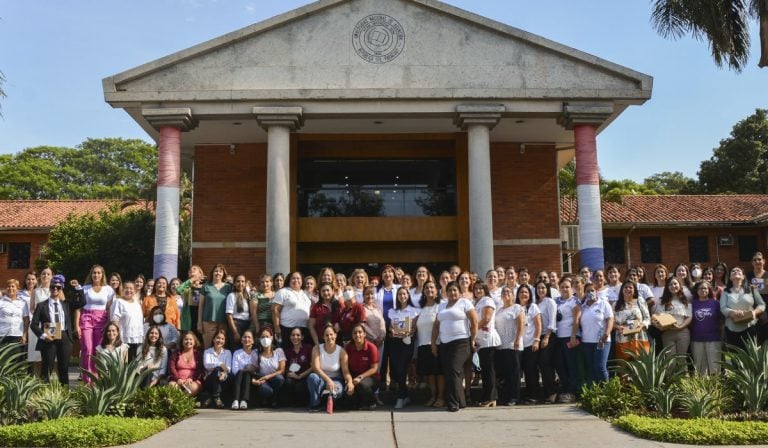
329 404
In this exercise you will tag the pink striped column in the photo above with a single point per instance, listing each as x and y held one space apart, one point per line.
584 119
170 123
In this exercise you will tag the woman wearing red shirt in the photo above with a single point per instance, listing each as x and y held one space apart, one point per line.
185 368
363 360
352 314
326 310
298 358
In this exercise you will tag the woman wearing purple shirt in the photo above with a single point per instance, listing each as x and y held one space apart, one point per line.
706 345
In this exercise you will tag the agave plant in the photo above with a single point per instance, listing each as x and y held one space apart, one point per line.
119 380
94 400
53 401
13 360
747 371
703 396
13 401
652 374
664 400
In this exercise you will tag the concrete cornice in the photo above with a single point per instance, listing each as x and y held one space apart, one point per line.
578 113
279 116
484 114
180 118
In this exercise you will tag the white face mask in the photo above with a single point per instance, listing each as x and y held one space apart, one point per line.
265 342
696 273
157 318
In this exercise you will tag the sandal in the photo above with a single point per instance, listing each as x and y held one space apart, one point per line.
430 402
439 403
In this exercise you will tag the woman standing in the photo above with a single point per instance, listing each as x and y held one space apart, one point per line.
427 364
169 332
116 282
493 284
310 288
278 282
741 305
363 361
352 314
510 323
486 343
326 310
298 358
261 302
191 291
329 369
271 368
421 276
359 282
674 302
27 294
41 293
403 318
127 314
185 369
531 342
596 327
568 326
158 297
14 316
456 329
706 344
631 315
385 299
237 310
683 276
91 319
290 309
213 300
548 308
245 365
217 361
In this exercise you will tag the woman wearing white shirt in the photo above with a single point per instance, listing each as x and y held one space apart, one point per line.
456 329
596 327
271 368
290 309
41 293
14 317
427 364
127 314
153 355
510 323
237 310
674 302
486 342
421 277
402 318
218 363
330 371
568 320
91 319
548 308
531 342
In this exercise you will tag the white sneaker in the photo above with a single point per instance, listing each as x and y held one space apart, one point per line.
235 405
243 405
400 404
406 401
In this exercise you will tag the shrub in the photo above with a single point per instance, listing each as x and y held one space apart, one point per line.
16 390
663 400
166 402
695 431
53 401
94 400
610 399
652 373
79 432
13 360
747 371
118 381
704 396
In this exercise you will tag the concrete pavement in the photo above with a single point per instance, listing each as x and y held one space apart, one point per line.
413 427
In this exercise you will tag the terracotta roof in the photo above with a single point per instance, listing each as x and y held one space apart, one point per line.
43 215
677 210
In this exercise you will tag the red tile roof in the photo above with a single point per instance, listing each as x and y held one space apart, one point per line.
43 215
673 210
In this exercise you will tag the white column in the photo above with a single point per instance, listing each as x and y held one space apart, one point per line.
278 122
478 120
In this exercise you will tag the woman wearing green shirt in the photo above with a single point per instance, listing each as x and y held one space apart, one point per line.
213 298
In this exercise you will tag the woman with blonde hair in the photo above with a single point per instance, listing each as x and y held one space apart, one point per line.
96 297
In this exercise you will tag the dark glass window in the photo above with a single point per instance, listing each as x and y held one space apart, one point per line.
375 187
18 255
613 250
747 247
650 249
698 249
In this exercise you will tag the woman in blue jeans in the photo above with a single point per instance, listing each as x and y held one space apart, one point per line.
271 368
596 327
330 371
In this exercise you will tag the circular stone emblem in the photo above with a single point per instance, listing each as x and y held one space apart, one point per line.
378 38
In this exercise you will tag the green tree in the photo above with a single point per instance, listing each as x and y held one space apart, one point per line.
109 168
121 240
671 183
613 190
740 163
723 23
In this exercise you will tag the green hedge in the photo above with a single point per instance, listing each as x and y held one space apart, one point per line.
695 431
79 432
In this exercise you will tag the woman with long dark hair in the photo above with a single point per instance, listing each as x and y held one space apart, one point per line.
741 305
631 320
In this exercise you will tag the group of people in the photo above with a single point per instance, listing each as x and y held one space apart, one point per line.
291 339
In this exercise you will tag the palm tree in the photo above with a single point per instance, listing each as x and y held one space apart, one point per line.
724 23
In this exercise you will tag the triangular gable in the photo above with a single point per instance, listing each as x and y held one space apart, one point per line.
413 49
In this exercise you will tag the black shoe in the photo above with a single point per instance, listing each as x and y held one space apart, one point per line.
453 409
512 403
314 409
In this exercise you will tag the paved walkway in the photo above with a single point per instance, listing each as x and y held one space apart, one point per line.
414 427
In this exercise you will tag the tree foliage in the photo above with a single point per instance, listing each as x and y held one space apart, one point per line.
740 163
723 23
121 241
96 169
671 183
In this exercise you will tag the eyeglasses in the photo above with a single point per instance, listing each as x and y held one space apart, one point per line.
55 287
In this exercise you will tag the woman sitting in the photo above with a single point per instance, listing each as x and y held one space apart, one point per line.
169 332
185 369
271 368
298 358
245 364
363 362
153 355
329 368
218 363
111 344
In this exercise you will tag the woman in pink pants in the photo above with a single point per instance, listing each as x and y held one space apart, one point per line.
90 320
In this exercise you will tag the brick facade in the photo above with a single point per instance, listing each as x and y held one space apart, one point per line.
36 241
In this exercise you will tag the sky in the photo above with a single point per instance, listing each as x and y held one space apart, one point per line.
54 55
